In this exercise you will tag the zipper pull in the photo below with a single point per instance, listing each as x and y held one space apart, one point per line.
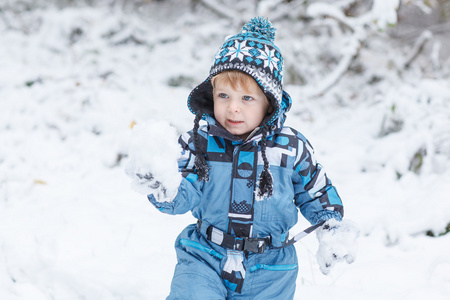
236 147
252 134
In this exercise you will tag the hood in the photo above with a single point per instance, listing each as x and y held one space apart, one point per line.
253 52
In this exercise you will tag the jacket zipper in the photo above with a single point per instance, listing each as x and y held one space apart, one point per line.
233 170
251 134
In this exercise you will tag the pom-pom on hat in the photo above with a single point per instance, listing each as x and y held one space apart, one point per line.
253 52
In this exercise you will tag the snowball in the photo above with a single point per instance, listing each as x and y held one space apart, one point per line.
337 243
153 155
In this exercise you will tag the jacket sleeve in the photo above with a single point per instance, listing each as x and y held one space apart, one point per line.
315 195
190 190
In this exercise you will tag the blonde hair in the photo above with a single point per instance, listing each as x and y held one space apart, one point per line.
234 78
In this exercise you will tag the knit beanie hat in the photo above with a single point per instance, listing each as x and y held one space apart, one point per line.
253 52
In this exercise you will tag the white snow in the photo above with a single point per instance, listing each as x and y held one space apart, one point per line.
71 227
337 243
152 164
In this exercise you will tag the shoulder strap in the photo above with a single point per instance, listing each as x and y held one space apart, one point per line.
301 235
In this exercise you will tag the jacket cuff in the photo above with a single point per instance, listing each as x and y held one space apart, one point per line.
165 207
325 216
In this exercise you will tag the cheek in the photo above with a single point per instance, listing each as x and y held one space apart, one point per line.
261 113
265 109
218 109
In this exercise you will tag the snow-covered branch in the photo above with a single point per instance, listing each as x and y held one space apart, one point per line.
294 8
418 48
219 9
318 10
338 72
381 15
349 53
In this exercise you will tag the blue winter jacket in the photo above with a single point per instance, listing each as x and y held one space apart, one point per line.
228 201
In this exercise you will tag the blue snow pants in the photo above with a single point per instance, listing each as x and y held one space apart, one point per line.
270 275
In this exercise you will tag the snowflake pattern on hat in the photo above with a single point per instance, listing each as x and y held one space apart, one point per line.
252 51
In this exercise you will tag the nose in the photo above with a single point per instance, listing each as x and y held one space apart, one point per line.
234 105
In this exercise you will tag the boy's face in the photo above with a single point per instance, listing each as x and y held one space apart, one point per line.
239 110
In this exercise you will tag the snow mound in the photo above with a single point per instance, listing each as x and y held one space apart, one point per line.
153 154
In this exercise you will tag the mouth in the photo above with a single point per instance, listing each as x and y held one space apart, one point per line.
234 122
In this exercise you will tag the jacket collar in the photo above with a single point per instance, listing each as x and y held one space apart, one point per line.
216 129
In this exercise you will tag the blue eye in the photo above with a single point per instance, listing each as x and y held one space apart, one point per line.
223 95
247 98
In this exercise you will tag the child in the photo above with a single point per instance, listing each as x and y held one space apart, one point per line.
244 175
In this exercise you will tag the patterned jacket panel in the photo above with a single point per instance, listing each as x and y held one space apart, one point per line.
298 182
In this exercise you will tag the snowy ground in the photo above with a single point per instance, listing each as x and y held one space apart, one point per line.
71 227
